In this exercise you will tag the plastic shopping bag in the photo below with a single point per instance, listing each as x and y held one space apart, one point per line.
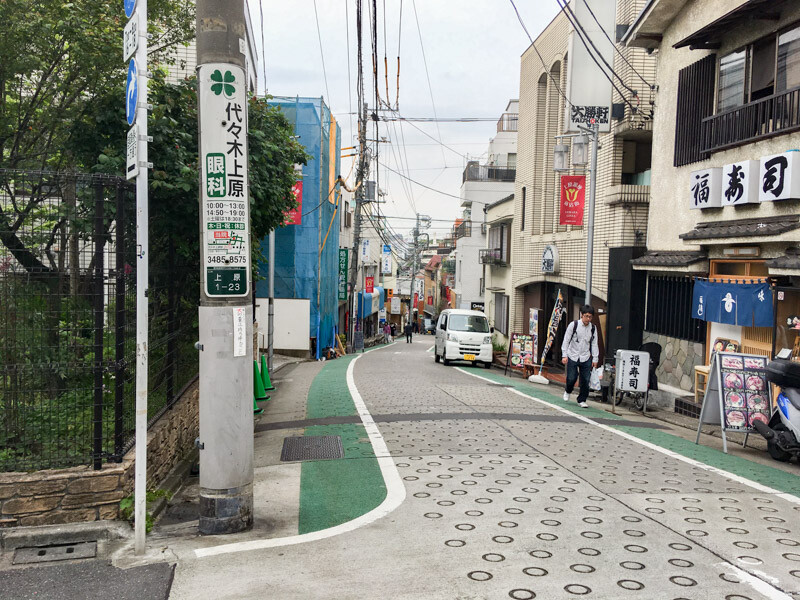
594 379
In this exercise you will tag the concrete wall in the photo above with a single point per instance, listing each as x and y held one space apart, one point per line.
81 494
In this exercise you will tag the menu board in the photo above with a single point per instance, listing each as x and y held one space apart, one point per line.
745 393
737 394
521 351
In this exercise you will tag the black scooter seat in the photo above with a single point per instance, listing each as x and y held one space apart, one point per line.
784 373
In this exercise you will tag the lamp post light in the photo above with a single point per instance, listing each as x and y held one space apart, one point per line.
560 158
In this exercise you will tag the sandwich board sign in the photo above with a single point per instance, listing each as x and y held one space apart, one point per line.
737 394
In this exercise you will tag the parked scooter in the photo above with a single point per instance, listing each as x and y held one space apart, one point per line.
783 431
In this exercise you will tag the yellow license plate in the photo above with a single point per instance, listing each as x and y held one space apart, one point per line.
469 357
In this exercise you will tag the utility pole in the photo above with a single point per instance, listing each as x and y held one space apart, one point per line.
226 309
361 175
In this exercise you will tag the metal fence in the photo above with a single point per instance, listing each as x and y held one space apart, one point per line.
67 321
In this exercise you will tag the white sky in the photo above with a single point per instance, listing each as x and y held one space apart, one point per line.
473 50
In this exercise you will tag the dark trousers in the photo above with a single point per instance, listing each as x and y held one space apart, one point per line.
584 369
408 338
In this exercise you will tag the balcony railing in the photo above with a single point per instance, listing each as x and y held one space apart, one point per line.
462 230
487 173
508 122
627 194
764 118
492 256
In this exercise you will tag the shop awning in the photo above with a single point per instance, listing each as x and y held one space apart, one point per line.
763 227
711 36
369 304
429 310
668 258
788 264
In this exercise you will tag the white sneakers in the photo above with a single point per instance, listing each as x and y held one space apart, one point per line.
583 405
566 396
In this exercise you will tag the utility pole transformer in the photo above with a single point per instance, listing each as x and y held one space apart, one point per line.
226 309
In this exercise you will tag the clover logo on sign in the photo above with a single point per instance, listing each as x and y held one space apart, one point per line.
223 85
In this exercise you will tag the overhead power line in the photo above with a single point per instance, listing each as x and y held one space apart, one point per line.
322 54
421 184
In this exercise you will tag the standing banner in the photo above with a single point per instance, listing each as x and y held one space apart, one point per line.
573 198
369 284
552 327
343 265
737 394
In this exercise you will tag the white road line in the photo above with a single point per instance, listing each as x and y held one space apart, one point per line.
738 478
395 490
760 586
431 348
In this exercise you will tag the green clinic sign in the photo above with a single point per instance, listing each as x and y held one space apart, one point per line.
224 200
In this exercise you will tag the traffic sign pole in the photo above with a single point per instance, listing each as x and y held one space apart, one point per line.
138 104
226 308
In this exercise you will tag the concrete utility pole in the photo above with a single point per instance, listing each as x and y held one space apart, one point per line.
361 174
226 309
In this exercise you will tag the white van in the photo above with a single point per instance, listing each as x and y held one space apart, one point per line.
463 335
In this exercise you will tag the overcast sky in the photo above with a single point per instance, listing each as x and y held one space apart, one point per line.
472 49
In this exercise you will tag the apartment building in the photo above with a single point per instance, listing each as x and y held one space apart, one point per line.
549 257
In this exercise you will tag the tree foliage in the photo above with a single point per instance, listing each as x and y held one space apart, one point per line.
56 58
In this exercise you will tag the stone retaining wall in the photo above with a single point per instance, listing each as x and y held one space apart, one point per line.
678 359
81 494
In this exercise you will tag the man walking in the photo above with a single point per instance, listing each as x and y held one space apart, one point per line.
409 328
580 353
387 333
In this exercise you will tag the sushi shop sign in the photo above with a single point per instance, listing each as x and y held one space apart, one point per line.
737 394
774 177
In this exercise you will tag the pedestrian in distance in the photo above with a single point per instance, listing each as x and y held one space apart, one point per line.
409 329
580 354
416 327
387 333
394 330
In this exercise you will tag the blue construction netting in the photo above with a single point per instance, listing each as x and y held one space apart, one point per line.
307 255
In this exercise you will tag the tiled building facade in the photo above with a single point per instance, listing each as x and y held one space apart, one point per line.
622 185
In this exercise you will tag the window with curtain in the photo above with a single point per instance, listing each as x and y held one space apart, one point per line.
731 81
501 313
788 72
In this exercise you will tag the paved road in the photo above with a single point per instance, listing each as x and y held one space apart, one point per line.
507 497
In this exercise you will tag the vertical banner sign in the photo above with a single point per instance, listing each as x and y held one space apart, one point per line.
223 177
533 329
365 250
573 196
343 264
386 260
295 216
552 327
370 285
416 300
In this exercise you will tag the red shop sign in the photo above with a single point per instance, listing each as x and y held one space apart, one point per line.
295 216
573 197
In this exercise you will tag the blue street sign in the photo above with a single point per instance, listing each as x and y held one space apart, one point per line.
130 6
131 92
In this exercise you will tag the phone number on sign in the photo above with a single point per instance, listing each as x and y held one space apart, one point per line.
226 260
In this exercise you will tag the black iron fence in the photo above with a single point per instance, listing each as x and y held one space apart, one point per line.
67 321
669 309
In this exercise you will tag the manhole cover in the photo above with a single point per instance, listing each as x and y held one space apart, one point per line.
41 554
312 447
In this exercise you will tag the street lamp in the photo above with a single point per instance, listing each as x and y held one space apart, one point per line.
580 151
560 158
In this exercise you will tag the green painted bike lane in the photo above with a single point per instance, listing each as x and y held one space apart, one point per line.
763 474
333 492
